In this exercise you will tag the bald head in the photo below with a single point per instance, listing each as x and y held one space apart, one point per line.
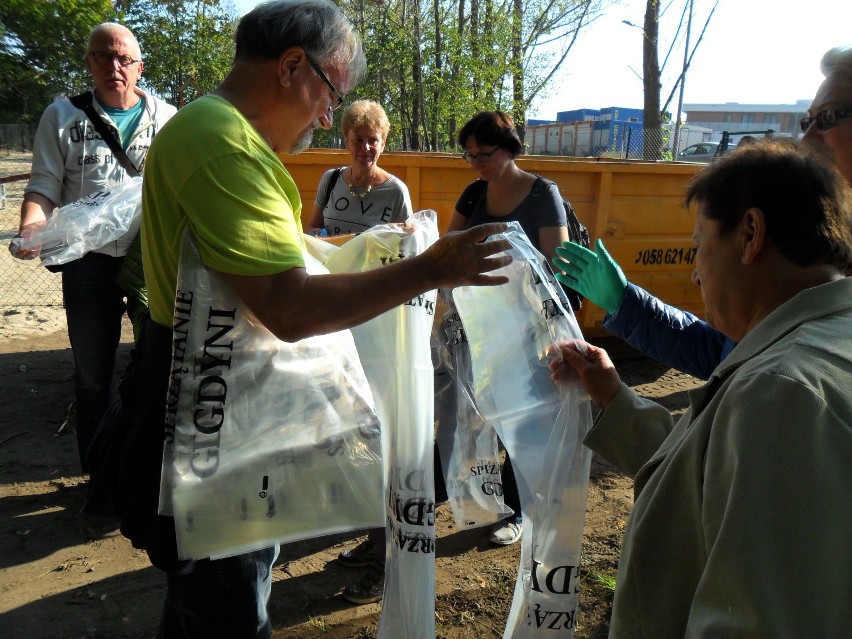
838 60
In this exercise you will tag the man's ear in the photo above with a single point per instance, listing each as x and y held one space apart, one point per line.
753 234
288 64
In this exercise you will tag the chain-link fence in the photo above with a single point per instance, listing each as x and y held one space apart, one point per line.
638 144
22 283
617 140
16 137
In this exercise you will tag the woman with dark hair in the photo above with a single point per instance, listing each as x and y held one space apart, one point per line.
505 193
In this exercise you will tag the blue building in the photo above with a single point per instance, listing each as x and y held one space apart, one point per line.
590 132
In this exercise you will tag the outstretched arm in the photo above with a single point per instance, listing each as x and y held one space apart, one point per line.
676 338
34 212
345 300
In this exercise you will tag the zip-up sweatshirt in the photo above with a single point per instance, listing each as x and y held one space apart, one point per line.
70 159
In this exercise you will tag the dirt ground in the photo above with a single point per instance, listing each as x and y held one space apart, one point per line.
66 575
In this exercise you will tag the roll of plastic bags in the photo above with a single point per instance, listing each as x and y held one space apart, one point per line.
395 352
510 329
87 224
466 441
267 441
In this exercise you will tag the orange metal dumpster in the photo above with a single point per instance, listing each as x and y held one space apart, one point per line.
635 207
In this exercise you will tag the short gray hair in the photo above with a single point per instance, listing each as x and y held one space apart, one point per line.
318 26
114 27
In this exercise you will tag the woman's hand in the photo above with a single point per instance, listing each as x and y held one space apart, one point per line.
591 365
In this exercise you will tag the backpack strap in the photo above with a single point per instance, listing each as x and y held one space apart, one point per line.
331 182
84 102
576 231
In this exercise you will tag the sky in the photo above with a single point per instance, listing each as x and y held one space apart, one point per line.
752 52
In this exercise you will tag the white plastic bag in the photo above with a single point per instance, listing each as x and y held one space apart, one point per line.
88 224
395 352
510 329
272 441
466 441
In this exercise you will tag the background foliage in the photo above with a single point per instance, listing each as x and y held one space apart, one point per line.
188 44
432 63
42 44
435 63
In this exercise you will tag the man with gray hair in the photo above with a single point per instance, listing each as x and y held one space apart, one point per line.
216 168
71 159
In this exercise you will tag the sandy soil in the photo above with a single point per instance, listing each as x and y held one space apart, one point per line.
63 574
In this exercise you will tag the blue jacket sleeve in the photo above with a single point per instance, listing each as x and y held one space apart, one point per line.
669 335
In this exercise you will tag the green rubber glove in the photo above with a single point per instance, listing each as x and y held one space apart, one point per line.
595 276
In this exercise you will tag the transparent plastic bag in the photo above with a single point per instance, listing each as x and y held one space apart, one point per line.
267 441
466 441
395 352
88 224
510 330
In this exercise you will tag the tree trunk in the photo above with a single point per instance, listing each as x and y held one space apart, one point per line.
652 142
417 77
518 104
439 72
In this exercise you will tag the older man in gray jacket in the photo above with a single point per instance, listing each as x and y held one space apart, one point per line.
741 524
72 160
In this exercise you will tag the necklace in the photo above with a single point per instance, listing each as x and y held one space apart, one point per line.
359 193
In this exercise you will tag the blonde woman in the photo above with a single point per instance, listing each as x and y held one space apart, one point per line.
354 198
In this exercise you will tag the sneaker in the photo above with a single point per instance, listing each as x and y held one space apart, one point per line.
506 533
370 588
364 554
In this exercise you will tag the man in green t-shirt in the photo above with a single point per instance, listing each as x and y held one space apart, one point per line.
215 168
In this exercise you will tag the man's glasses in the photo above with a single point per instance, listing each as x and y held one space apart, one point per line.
105 59
482 158
318 70
825 120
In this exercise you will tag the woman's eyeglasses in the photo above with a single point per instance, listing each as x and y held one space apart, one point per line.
482 158
825 120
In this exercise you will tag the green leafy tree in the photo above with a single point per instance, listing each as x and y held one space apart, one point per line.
42 44
187 45
434 63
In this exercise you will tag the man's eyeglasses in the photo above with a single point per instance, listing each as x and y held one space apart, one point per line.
105 59
482 158
824 119
318 70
